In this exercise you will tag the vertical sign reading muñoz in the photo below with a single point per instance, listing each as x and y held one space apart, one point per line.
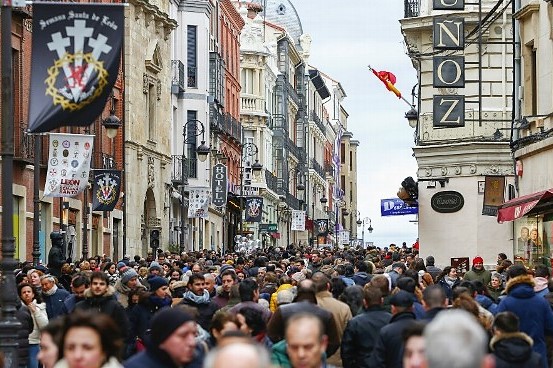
449 71
219 185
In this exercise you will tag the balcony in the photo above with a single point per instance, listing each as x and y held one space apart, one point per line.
329 169
177 77
412 8
252 104
293 149
216 119
192 77
271 181
318 122
176 172
318 168
232 127
293 94
292 201
24 151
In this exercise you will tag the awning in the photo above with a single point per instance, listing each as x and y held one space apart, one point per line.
530 204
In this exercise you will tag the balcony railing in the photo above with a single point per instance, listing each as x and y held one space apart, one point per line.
293 94
108 161
318 168
232 127
177 77
293 149
271 181
216 119
25 149
252 103
317 120
176 172
329 169
292 201
192 77
412 8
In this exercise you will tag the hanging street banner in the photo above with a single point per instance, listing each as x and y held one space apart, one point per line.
344 237
106 185
76 50
396 207
68 164
298 221
198 202
219 185
254 209
321 227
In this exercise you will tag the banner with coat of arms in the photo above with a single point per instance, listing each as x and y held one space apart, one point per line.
254 209
68 164
198 202
298 221
321 227
105 189
76 51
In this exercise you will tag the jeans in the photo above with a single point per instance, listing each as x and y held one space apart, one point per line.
33 352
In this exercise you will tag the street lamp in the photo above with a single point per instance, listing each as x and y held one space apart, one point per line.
362 223
412 115
202 151
247 150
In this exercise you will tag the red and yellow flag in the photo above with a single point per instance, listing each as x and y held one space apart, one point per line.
389 79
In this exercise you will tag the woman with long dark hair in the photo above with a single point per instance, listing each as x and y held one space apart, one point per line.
33 301
448 280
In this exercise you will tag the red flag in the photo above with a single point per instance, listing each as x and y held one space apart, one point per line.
389 79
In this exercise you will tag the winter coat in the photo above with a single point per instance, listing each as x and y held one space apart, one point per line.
122 292
273 303
540 287
178 288
388 351
434 271
155 357
448 290
487 303
534 313
23 315
142 313
70 302
55 260
482 275
361 278
111 363
106 304
514 350
341 314
249 304
54 303
205 311
495 293
361 336
40 320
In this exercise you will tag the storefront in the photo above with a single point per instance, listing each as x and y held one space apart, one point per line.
532 217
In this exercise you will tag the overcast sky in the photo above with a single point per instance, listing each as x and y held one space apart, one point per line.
348 36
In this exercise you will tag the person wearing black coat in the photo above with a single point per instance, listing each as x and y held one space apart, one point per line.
512 348
388 352
55 256
362 331
24 317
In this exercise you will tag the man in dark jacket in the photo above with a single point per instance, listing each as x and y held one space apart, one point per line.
432 269
171 343
534 313
388 352
198 297
100 297
53 297
362 331
24 317
512 348
434 301
362 273
79 284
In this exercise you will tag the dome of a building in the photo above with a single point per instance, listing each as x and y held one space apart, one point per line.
284 14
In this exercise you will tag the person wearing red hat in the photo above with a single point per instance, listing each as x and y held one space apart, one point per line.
478 272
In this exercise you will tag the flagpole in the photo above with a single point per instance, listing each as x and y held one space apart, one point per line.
401 97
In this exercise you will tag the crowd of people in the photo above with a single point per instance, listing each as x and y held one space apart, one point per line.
295 307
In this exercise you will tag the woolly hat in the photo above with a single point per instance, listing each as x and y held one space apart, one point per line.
285 297
154 266
156 282
298 277
226 267
121 265
166 321
127 274
477 259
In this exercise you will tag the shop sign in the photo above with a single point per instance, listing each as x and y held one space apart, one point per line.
219 185
447 201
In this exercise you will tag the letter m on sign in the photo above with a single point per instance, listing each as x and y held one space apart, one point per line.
449 33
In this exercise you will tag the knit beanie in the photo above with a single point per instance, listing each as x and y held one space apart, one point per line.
120 265
154 266
166 321
225 267
127 274
477 259
156 282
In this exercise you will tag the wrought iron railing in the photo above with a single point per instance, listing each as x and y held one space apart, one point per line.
232 127
317 120
292 201
25 149
318 168
176 172
293 93
271 181
177 76
293 149
192 77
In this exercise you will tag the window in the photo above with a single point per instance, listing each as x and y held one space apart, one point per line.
191 52
151 106
534 81
191 131
343 153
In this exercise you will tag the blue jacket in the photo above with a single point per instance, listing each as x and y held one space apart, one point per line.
536 317
486 302
54 303
154 357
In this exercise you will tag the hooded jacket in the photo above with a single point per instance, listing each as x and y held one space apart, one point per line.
514 350
361 278
534 313
155 357
122 292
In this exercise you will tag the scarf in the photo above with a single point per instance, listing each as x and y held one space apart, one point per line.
198 299
52 291
449 280
160 302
